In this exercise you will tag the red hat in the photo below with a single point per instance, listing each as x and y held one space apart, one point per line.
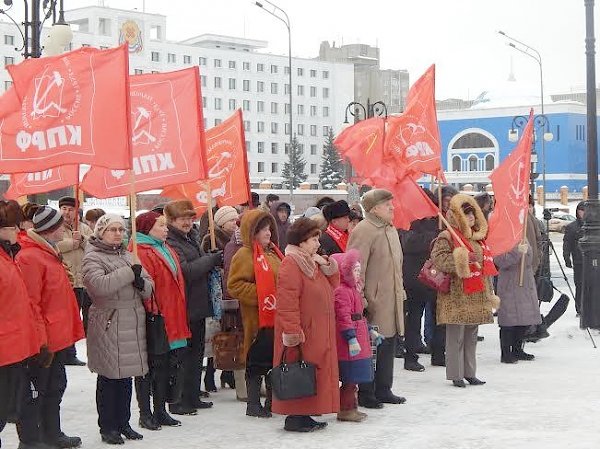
144 222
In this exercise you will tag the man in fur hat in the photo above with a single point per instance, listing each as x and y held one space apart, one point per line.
381 274
335 238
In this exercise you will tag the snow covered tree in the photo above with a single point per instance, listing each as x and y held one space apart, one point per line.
332 166
293 170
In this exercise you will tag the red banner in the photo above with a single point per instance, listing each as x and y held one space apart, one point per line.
511 190
40 182
73 109
410 203
227 168
166 136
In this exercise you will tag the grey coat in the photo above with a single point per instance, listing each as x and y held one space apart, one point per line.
519 305
116 334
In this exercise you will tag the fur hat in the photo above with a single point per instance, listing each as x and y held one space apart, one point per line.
301 230
10 214
457 217
336 210
179 208
29 210
104 222
225 214
66 201
375 197
144 222
47 219
324 201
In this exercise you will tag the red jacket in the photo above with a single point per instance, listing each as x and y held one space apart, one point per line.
169 291
19 337
50 291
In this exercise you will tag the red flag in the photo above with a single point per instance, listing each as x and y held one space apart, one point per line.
40 182
410 203
73 109
227 168
167 139
413 138
511 190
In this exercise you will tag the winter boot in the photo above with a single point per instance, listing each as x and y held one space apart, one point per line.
209 376
176 376
227 379
506 340
159 398
142 394
518 352
269 399
351 416
254 407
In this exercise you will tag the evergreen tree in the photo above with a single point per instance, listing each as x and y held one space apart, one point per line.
332 166
294 174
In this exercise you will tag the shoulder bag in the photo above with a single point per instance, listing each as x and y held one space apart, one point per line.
157 341
294 380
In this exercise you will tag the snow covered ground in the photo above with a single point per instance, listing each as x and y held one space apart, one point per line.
552 402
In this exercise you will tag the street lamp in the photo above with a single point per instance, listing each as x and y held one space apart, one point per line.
590 242
277 12
535 55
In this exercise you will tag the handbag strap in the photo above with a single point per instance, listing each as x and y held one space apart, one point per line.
285 350
155 302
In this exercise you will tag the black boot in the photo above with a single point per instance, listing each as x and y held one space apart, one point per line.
142 394
518 345
254 407
112 437
506 340
176 376
64 441
159 398
130 434
269 399
209 377
227 379
297 423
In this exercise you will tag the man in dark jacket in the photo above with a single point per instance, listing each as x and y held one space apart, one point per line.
335 237
196 265
572 253
281 211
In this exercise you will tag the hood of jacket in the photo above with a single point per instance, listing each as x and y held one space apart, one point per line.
457 218
32 239
346 262
276 205
250 221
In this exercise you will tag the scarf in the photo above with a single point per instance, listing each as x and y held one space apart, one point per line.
339 237
306 263
265 285
160 247
474 283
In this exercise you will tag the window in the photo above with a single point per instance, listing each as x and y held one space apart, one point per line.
260 106
456 163
261 147
313 149
325 111
300 148
245 65
313 130
313 73
155 32
247 126
218 121
155 56
201 61
313 111
313 91
9 40
286 89
203 80
274 167
171 57
104 27
473 163
204 102
274 147
579 132
300 109
218 104
261 167
273 108
187 59
273 88
300 71
260 127
273 69
232 104
135 71
246 105
260 86
217 63
246 85
231 83
287 129
300 90
8 60
300 129
489 162
274 128
260 67
326 92
217 82
286 70
287 108
325 74
313 169
7 85
232 64
325 131
248 149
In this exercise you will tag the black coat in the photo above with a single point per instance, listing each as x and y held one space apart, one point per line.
195 265
416 247
328 245
571 249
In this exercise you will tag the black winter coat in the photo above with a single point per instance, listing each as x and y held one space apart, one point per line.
195 265
571 249
416 247
328 245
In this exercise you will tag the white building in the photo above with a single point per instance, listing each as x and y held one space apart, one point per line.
234 74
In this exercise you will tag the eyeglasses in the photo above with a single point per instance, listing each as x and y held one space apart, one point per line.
115 230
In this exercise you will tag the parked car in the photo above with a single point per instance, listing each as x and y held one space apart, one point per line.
559 220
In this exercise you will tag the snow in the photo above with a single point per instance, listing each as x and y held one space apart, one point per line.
552 402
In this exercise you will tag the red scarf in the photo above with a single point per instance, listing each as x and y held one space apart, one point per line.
474 283
265 285
339 237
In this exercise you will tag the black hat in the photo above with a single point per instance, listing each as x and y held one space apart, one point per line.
66 201
255 199
337 209
301 230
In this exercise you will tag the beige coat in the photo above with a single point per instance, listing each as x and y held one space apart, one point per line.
73 257
381 261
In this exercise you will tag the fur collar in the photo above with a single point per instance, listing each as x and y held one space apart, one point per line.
376 221
457 218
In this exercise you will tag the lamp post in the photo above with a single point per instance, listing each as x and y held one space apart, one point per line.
590 242
535 55
277 12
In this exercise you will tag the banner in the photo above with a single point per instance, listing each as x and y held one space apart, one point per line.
166 136
510 181
227 166
410 203
40 182
73 109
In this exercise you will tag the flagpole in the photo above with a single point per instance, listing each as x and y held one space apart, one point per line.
132 210
76 193
523 240
439 180
451 230
211 219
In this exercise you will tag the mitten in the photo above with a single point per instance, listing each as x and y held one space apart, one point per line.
353 347
138 281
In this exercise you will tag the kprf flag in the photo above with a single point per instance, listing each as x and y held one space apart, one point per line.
227 168
413 138
73 109
511 190
40 182
410 203
166 136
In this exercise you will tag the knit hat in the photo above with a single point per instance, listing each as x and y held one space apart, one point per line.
66 201
144 222
225 214
105 221
301 230
375 197
337 209
179 208
47 219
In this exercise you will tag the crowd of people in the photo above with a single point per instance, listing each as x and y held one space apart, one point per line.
337 287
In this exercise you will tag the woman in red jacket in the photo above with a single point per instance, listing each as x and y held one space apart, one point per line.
19 337
162 263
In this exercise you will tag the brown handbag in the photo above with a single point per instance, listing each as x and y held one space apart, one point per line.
432 277
228 348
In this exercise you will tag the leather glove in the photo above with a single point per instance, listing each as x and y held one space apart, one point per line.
45 357
523 248
568 263
217 257
376 337
138 281
353 347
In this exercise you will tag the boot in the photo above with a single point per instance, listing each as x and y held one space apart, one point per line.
297 423
351 416
518 352
130 434
209 377
64 441
164 419
475 381
269 399
112 437
159 398
254 407
506 339
142 394
227 379
176 375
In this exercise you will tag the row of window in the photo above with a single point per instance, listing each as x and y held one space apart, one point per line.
232 84
275 168
260 148
473 163
260 107
260 128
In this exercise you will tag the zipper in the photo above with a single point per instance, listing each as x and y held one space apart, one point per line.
109 322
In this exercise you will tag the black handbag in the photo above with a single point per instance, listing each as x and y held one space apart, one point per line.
157 342
293 380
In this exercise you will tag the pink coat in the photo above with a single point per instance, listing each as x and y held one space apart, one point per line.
351 323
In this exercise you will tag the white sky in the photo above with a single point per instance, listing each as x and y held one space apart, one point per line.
460 36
